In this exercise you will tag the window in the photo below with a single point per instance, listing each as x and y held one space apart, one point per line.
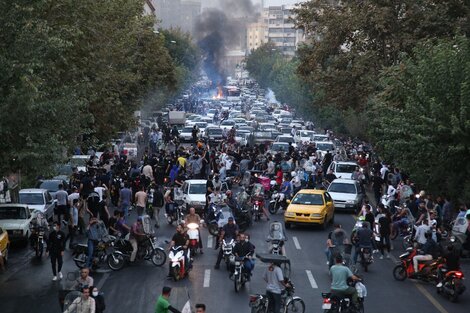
308 199
342 188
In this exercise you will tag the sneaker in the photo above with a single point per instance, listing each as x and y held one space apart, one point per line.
381 257
439 285
60 275
54 278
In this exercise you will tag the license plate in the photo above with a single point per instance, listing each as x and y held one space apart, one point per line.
326 306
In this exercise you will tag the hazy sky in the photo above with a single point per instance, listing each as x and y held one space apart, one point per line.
266 2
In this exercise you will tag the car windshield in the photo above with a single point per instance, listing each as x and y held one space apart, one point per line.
263 135
342 188
187 130
345 168
305 134
197 189
280 147
215 131
320 138
31 198
50 185
12 213
65 169
285 139
227 123
78 162
308 199
325 146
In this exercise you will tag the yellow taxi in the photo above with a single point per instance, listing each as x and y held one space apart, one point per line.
4 244
310 206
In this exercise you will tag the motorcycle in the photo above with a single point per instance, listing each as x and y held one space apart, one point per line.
240 276
38 240
452 284
175 215
257 198
333 303
100 254
289 303
366 258
193 234
218 217
277 202
227 252
427 269
179 268
147 249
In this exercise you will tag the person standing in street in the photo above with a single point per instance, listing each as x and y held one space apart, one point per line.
125 196
93 234
55 248
274 286
73 222
61 208
141 200
163 305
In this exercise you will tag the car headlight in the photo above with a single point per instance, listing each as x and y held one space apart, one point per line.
350 202
289 214
316 215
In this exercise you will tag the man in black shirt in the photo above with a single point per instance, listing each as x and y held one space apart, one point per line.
55 248
180 239
244 249
230 230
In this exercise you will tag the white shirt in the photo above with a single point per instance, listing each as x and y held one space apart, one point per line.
99 190
383 170
228 164
420 233
73 196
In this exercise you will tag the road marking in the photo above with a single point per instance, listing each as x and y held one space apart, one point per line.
210 239
296 243
207 278
312 281
102 281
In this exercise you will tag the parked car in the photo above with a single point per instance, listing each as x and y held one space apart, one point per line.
38 199
186 134
347 194
4 244
287 139
15 219
52 185
343 169
304 135
310 206
214 134
323 147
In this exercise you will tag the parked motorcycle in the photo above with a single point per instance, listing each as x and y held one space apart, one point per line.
427 269
289 303
100 254
193 234
147 249
180 263
334 303
452 284
277 202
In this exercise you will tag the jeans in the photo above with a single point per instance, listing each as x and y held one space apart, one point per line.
274 301
384 243
91 248
125 209
248 265
140 210
56 262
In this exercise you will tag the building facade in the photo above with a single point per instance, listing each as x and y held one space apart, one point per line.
255 35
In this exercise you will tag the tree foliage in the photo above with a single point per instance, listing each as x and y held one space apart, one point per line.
69 68
352 41
421 117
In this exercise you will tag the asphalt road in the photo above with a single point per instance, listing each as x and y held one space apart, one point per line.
27 287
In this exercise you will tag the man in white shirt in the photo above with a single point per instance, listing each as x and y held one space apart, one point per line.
421 231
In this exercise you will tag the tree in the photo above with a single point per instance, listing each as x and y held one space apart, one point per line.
352 41
421 117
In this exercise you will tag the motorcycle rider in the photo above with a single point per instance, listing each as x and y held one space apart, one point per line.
179 239
452 257
228 231
339 281
137 234
274 285
94 236
244 249
429 252
421 231
363 239
192 217
40 221
83 304
84 281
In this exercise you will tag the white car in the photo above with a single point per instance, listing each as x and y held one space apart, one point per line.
227 124
323 147
186 134
343 169
304 135
201 126
211 112
15 219
130 149
38 199
287 139
193 193
320 137
79 161
347 194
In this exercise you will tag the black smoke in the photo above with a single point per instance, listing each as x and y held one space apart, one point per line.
216 31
